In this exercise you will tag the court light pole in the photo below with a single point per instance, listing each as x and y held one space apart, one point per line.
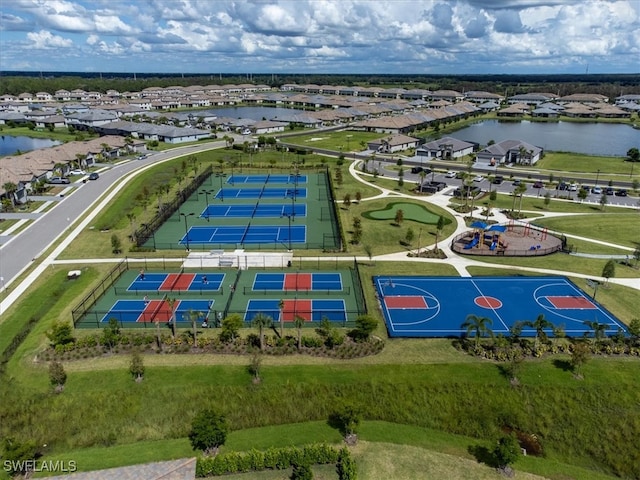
288 215
186 227
206 199
220 175
597 176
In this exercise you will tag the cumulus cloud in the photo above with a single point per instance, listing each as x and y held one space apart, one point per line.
351 35
46 40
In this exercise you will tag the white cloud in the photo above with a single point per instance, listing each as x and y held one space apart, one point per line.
46 40
389 35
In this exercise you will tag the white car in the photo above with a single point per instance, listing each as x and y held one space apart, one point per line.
77 172
596 190
478 178
450 174
573 187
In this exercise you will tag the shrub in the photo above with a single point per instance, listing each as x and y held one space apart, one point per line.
346 466
57 375
61 333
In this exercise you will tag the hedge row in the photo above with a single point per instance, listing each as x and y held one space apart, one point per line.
272 458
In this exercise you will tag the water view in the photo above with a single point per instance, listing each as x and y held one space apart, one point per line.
587 138
10 145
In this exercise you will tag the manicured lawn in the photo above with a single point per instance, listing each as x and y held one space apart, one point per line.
620 229
571 162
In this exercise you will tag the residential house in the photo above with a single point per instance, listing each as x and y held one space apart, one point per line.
508 151
446 148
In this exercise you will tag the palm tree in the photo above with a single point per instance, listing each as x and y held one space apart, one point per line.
480 326
11 188
298 322
194 317
599 329
281 308
172 302
539 325
262 321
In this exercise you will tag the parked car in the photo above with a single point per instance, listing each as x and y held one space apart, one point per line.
478 178
59 180
573 187
596 190
609 191
498 179
77 171
563 186
538 184
621 192
450 174
516 182
416 169
94 176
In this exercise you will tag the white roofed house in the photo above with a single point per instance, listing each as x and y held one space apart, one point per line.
446 148
508 151
393 144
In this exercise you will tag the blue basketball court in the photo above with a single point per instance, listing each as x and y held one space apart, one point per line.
437 306
250 234
297 179
255 193
156 310
260 210
310 310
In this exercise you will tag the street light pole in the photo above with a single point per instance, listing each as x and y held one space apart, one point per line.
186 227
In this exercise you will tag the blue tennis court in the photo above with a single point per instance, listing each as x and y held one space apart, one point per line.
437 306
297 179
250 234
152 282
297 281
156 310
261 210
255 193
311 310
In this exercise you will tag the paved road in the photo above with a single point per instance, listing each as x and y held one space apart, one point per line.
20 251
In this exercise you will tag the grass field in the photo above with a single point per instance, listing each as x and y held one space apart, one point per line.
573 163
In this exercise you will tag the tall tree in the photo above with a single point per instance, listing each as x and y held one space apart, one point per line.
478 326
609 270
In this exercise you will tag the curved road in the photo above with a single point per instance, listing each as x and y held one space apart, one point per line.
23 250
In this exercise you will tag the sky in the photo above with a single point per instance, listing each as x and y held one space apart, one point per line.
321 36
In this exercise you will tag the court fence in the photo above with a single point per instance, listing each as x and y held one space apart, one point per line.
90 300
214 318
147 230
336 220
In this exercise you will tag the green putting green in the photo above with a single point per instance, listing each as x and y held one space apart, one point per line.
412 211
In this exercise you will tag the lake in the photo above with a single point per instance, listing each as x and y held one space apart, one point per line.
605 139
10 145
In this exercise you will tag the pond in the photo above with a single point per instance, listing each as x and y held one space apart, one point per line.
606 139
10 145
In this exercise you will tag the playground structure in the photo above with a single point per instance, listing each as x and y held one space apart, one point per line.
512 239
